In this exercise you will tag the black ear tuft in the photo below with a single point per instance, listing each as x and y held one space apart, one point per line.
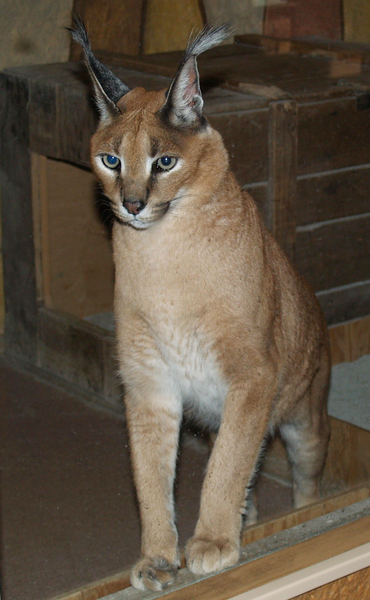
184 102
108 88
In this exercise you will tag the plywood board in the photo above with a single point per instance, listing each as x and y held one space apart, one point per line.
73 241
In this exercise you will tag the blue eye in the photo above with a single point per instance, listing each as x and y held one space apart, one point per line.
165 163
110 161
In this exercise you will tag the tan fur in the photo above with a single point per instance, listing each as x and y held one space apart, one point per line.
211 319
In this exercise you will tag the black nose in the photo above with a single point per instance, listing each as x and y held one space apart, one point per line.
133 206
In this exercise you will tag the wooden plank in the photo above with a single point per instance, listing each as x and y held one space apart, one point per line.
166 63
282 173
245 135
246 17
297 18
116 25
98 589
45 81
333 195
40 226
250 71
43 116
2 300
17 241
333 49
301 515
80 353
359 337
169 23
350 341
332 135
334 253
73 350
348 459
77 121
356 16
345 302
269 568
121 581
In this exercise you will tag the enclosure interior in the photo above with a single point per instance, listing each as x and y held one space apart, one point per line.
296 123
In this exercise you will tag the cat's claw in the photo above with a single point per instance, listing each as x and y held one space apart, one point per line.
153 574
208 556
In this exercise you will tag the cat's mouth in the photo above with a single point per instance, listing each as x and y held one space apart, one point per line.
144 219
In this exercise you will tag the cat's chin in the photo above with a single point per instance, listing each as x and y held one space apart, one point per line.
136 224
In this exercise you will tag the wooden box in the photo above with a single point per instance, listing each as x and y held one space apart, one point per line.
296 120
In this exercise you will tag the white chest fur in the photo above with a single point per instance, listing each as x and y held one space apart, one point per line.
194 374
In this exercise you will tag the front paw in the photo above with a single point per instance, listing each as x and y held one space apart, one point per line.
153 573
207 556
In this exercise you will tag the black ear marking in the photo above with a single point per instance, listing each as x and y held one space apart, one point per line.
184 102
108 88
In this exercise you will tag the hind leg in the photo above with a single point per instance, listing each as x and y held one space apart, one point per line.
306 436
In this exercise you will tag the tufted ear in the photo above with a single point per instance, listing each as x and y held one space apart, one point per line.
108 88
184 103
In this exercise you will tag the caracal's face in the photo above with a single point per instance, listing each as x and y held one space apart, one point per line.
144 164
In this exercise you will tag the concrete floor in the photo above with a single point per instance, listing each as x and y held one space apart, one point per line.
68 509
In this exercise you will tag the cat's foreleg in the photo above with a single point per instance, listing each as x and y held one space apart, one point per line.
216 542
154 430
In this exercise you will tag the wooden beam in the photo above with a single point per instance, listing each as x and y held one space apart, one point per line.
17 223
282 173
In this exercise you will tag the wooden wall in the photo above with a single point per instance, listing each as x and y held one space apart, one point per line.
34 32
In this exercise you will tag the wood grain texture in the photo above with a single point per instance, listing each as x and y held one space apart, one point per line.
333 49
282 173
297 18
98 589
332 135
245 15
302 515
258 572
349 341
115 25
352 587
333 195
356 16
40 227
334 253
168 24
73 350
17 223
346 302
348 459
121 581
248 150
